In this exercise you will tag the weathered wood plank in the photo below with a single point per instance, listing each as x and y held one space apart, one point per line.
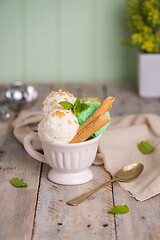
125 96
90 219
17 206
143 220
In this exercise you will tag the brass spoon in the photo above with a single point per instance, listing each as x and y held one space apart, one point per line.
125 174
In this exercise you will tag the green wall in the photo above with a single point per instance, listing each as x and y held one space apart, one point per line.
64 41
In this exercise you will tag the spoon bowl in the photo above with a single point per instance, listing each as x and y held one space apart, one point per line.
129 172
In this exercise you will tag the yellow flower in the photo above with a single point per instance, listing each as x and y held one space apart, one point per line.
147 30
148 46
156 49
153 17
157 37
144 20
137 38
137 22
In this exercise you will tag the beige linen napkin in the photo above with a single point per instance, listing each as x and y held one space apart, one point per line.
25 123
118 147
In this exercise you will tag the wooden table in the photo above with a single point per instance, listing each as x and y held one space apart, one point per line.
40 211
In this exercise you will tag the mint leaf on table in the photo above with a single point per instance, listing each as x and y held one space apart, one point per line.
145 147
16 182
78 107
66 105
119 209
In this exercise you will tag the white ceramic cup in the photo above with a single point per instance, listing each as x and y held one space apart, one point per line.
69 162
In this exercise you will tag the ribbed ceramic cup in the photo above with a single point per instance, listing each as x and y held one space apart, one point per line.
69 162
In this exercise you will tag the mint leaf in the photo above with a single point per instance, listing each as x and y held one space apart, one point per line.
66 105
119 209
145 147
16 182
79 107
76 106
83 107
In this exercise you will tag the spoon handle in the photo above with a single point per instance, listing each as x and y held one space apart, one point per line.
86 195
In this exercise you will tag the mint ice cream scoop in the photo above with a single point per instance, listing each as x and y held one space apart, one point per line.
83 116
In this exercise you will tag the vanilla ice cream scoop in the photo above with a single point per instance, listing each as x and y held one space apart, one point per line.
59 125
52 100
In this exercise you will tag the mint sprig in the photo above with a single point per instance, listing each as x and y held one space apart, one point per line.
145 147
119 209
66 105
16 182
78 107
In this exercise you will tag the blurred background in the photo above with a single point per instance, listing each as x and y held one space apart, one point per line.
65 41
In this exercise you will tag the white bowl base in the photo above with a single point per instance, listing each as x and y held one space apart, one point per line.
70 178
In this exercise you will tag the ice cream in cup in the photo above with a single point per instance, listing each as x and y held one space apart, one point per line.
52 100
69 148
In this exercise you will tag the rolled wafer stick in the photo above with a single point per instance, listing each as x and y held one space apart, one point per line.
90 129
101 110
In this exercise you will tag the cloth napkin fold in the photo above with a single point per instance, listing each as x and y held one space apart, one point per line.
117 148
25 123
